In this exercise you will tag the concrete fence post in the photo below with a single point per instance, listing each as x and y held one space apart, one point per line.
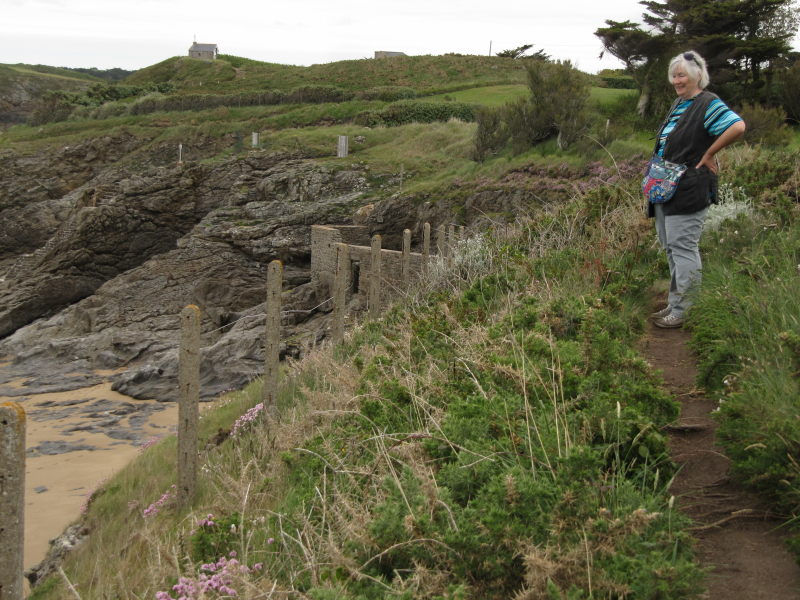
441 241
272 338
188 407
256 139
405 267
180 154
375 278
12 499
340 290
343 147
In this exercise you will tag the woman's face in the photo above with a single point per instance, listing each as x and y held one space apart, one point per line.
684 85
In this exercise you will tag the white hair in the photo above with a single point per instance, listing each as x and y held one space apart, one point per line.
691 63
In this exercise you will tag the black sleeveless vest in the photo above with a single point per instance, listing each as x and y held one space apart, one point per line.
686 144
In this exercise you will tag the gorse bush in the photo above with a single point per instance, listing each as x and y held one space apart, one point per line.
619 82
387 93
556 108
765 125
559 94
103 104
412 111
491 135
59 105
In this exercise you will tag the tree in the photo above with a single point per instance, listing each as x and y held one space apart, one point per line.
643 54
740 39
520 51
556 106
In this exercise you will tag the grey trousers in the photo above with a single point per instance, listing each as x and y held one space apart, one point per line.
679 236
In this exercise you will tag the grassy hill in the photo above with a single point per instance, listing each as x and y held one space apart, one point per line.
56 71
422 73
40 77
21 85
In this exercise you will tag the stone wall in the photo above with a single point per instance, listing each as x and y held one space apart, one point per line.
323 260
323 248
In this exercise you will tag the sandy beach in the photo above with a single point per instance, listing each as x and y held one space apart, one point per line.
75 440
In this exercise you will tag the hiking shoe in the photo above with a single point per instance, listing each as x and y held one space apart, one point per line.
671 321
661 313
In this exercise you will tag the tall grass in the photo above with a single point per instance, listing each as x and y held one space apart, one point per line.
491 436
747 329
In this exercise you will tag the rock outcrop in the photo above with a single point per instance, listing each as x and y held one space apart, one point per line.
106 290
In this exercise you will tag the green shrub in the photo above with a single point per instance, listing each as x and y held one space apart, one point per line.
765 125
318 94
491 135
387 93
556 106
790 91
619 82
215 537
410 111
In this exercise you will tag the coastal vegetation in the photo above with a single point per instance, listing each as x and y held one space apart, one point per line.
495 434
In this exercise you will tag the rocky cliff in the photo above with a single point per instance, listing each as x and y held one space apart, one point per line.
96 277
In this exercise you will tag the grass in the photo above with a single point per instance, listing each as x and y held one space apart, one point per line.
746 329
33 80
57 71
495 95
423 73
493 435
605 96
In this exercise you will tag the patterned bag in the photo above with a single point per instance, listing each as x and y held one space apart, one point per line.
661 180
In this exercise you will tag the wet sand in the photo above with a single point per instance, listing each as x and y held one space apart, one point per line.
59 475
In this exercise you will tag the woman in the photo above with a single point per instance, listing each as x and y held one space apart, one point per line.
697 126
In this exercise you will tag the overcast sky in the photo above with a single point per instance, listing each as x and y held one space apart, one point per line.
132 34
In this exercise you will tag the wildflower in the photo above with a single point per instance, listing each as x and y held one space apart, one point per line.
246 419
156 506
207 522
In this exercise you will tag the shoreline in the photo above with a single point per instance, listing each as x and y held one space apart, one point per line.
75 440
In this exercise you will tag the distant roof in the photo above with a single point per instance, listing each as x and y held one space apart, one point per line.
203 47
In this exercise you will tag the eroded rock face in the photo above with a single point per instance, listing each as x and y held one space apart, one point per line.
26 179
106 291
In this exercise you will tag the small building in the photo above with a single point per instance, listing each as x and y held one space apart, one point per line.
387 54
203 51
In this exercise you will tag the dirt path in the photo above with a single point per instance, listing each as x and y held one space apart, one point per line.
737 539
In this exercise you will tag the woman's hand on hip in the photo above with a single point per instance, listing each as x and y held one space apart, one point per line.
709 162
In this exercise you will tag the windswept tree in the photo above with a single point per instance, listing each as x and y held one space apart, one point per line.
520 51
741 40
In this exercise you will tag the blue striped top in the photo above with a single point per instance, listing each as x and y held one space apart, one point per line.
718 118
